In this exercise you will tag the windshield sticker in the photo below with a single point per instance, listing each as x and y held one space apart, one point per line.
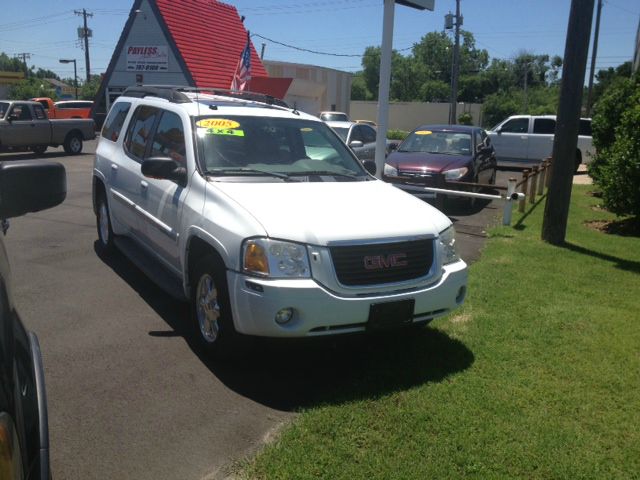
224 131
423 132
217 123
306 129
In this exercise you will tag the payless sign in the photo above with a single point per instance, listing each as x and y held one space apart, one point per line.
148 58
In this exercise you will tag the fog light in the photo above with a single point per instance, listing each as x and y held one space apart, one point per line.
284 315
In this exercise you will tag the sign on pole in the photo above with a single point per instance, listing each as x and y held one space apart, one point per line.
419 4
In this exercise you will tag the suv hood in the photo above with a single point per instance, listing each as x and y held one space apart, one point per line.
319 213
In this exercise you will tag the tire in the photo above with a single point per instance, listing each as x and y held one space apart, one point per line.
39 150
211 317
103 225
73 144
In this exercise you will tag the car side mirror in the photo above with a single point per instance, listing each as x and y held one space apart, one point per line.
393 147
356 144
499 130
370 166
31 186
164 168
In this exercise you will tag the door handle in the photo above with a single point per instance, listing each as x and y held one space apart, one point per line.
144 184
114 167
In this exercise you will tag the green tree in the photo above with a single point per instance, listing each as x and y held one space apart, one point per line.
30 88
606 77
435 91
9 64
359 88
89 89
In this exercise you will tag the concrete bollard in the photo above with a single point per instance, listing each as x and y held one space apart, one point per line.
508 204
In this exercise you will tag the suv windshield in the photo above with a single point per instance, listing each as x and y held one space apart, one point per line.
427 141
253 145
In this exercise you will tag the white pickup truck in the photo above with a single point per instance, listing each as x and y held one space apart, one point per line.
527 139
265 220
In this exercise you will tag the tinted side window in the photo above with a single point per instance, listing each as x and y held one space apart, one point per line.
168 141
585 128
39 111
368 133
544 126
3 108
517 125
115 120
139 130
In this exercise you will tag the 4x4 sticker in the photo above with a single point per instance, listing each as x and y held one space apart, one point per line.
225 131
217 123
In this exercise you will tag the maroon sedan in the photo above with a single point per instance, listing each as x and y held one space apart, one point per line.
456 152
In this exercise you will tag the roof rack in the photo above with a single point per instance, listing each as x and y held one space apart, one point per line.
171 93
176 94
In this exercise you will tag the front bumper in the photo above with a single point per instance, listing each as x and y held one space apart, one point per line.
319 311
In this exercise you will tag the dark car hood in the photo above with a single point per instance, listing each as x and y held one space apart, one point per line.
433 162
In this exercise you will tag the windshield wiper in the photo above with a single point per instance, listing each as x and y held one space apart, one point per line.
235 171
324 172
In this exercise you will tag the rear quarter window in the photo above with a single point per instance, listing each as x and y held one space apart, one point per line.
115 120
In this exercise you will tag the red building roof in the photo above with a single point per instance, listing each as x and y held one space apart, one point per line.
210 37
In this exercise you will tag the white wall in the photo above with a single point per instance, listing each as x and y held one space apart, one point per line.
409 115
314 88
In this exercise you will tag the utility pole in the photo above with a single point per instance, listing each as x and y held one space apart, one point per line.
593 57
24 56
456 64
85 33
576 50
264 45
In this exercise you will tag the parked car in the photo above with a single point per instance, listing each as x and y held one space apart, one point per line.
24 126
334 117
24 436
253 213
522 139
457 152
361 138
65 108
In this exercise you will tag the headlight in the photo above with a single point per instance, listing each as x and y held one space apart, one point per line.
448 242
456 173
390 171
275 259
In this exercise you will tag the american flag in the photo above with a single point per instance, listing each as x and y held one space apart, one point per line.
243 71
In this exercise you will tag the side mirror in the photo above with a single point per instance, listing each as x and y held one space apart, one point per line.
370 166
499 130
356 144
31 186
164 168
392 147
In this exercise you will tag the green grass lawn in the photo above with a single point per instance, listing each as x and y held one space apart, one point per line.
537 376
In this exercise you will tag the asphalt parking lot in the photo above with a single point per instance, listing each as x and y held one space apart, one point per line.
129 395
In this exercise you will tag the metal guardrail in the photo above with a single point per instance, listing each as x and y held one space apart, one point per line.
532 183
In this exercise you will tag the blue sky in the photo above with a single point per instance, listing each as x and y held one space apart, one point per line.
47 29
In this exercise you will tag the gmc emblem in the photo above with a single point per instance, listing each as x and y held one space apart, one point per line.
377 262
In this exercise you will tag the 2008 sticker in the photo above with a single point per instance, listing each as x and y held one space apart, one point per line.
217 123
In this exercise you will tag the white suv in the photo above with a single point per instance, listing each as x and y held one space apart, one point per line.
265 221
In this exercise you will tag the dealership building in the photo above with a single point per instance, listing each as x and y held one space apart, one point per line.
198 43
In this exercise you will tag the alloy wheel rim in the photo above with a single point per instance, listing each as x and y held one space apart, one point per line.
207 308
75 144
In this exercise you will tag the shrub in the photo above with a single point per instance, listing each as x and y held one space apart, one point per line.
607 115
465 119
397 134
619 170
